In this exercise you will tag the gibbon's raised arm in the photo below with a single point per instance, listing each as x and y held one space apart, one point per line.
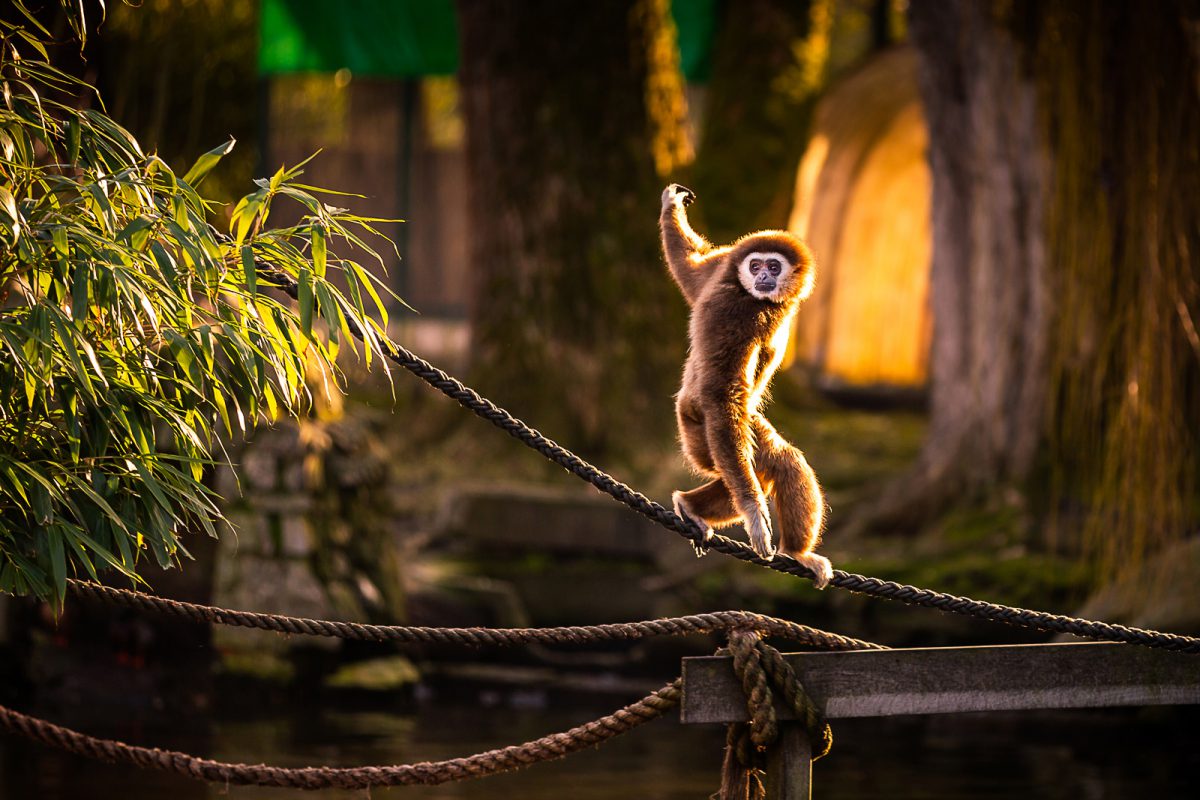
689 255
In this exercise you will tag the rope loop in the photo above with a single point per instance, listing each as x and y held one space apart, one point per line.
785 679
764 673
760 700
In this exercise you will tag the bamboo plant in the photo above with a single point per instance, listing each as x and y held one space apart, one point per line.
136 335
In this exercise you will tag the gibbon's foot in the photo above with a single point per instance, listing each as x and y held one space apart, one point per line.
821 567
759 528
682 510
678 192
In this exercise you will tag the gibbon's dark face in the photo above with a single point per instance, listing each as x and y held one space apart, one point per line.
765 275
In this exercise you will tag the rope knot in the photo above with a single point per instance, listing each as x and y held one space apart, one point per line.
764 673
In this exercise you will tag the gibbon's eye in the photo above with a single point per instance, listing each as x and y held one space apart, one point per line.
755 266
774 266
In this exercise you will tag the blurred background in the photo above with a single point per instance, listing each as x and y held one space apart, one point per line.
997 379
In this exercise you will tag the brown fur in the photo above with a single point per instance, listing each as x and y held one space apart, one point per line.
736 345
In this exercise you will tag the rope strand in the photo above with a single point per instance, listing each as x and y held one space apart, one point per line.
480 406
504 759
475 637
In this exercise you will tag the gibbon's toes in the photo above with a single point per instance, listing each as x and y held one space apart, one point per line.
821 567
682 510
759 528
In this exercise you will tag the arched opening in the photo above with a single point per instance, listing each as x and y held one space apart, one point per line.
862 202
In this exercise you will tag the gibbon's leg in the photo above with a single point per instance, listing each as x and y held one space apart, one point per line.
729 439
692 438
709 506
798 499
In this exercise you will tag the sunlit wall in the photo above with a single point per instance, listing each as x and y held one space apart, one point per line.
862 201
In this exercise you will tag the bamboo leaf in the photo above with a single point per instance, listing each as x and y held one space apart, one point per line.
153 485
318 250
250 270
140 223
35 43
306 300
58 563
206 162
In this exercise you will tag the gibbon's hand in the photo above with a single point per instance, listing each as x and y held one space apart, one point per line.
676 193
758 526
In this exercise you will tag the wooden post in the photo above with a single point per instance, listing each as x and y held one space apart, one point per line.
789 764
940 680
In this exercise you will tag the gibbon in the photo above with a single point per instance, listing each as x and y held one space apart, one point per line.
743 297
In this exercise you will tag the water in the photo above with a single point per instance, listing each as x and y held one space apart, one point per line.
1094 754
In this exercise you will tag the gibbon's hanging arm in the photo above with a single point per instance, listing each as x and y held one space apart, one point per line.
480 406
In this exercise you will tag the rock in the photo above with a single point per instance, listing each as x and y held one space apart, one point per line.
518 518
377 674
268 585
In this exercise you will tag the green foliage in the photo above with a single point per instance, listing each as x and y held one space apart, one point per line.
134 334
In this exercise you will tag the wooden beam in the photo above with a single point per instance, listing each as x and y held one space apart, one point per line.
940 680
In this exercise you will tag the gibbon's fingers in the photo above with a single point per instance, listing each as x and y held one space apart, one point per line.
677 191
758 526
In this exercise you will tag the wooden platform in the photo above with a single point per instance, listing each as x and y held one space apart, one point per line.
942 680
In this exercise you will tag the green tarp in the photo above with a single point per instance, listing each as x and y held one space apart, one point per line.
409 38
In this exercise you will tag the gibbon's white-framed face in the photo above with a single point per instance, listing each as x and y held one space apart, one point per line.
764 275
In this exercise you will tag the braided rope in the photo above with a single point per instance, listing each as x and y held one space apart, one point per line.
784 678
554 746
475 637
764 672
748 666
480 406
1037 620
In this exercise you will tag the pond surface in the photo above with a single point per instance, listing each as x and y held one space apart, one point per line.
1122 753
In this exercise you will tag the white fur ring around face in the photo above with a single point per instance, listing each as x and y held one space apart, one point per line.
764 275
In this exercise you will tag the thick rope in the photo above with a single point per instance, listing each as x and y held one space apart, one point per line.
1038 620
764 673
474 637
504 759
760 701
784 678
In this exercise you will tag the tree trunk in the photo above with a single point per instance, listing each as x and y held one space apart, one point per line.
575 323
988 282
1122 112
765 80
1065 284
